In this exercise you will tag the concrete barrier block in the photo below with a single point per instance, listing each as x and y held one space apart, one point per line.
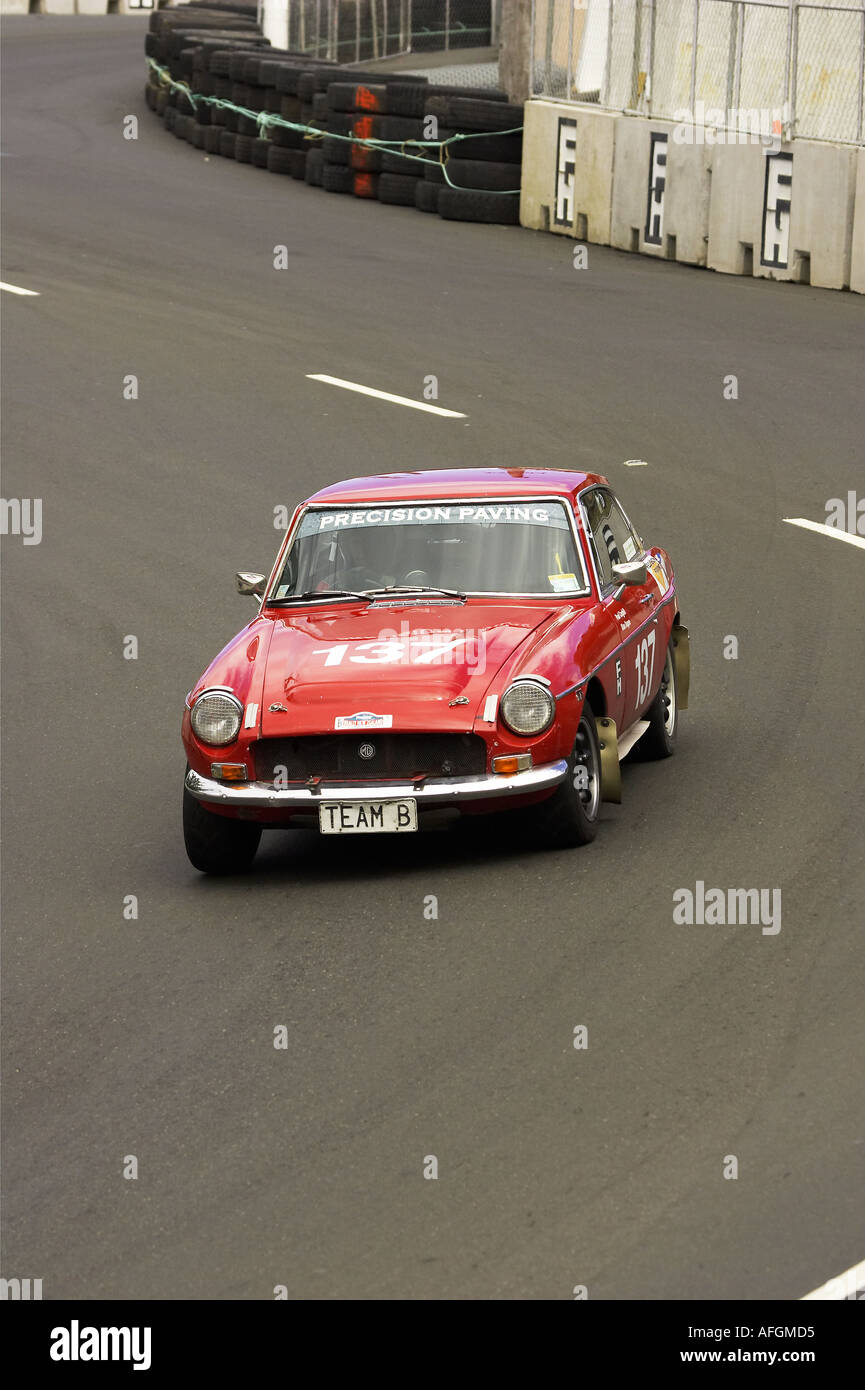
857 250
567 177
661 192
736 210
821 212
785 213
14 6
57 6
91 6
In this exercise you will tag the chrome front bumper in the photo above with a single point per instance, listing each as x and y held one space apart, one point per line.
439 791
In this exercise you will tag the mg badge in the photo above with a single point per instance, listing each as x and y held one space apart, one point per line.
366 750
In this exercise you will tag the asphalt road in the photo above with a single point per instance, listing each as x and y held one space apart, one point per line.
407 1037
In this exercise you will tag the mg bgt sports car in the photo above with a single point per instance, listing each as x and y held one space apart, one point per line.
483 639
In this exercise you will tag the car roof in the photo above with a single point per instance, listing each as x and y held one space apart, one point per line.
458 482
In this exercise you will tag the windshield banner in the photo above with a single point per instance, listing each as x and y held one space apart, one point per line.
468 514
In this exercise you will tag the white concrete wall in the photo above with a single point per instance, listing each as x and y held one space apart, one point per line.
857 252
590 200
787 212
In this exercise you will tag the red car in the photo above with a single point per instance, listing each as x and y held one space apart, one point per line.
487 639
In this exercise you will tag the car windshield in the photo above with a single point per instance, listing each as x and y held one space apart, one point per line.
470 546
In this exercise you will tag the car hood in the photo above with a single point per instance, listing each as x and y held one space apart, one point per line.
404 666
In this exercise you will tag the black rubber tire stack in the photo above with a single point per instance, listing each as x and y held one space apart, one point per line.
358 107
485 167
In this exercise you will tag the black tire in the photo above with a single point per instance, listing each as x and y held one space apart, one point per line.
337 178
484 174
297 163
659 740
289 108
505 149
198 134
470 113
288 77
458 205
399 128
400 164
287 139
406 98
259 153
397 189
437 96
314 166
357 96
161 102
226 144
170 117
247 126
279 160
305 88
335 151
212 137
364 159
570 816
426 196
243 148
365 184
434 173
216 845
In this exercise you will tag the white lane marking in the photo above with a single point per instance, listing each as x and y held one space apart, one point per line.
16 289
385 396
842 1286
832 531
635 463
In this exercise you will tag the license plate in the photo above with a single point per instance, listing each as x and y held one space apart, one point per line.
367 817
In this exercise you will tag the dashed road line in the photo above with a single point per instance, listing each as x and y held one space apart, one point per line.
844 1285
386 396
832 531
16 289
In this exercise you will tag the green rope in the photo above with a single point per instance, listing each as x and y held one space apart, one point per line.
266 119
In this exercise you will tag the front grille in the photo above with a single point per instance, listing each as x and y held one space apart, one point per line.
395 756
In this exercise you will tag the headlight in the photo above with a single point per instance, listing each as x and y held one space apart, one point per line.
527 708
216 718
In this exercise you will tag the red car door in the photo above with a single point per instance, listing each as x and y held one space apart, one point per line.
632 607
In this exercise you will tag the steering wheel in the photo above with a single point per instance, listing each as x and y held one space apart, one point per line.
359 577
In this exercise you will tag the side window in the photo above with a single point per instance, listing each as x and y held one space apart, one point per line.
614 539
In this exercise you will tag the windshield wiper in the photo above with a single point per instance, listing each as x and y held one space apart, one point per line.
318 593
416 589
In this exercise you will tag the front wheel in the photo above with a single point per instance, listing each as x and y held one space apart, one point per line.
570 816
215 844
659 740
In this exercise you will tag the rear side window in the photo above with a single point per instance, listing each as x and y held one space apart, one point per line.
613 539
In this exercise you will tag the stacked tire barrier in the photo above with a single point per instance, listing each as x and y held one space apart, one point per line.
218 84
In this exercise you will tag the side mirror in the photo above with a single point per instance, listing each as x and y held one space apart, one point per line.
251 583
634 572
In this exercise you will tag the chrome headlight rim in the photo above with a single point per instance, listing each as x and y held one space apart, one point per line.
520 684
215 693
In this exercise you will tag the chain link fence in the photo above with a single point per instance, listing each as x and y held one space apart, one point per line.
352 31
773 67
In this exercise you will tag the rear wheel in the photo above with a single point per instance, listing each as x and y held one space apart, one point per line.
215 844
570 816
659 740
